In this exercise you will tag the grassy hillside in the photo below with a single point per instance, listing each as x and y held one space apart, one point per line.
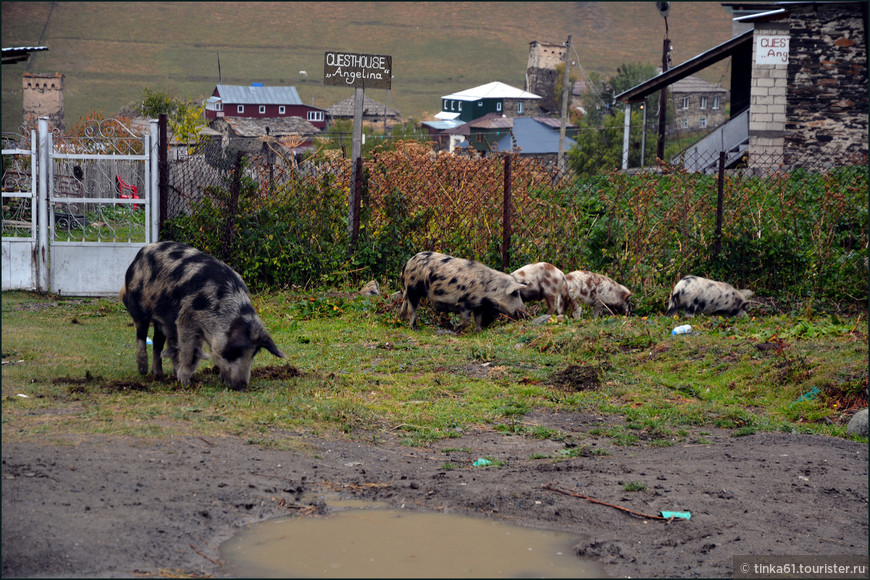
110 51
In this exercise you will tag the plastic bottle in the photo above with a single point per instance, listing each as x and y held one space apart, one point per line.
684 329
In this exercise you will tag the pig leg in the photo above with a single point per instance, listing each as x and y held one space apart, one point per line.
189 354
141 346
157 360
409 307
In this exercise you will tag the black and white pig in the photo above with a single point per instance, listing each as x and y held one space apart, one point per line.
696 295
544 281
458 285
598 291
191 297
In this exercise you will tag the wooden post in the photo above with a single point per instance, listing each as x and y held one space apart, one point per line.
356 153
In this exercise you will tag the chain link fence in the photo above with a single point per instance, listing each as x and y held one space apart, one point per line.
793 228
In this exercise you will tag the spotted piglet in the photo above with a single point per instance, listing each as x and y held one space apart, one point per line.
597 291
544 281
696 295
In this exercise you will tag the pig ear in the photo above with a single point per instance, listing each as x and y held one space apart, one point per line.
269 344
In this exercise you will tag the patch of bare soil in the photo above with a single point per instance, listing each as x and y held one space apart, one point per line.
101 507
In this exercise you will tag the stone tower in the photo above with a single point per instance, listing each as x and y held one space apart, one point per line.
541 72
43 97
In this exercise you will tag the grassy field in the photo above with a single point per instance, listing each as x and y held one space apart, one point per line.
110 51
356 370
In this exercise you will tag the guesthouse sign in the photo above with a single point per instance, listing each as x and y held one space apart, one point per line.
771 49
361 71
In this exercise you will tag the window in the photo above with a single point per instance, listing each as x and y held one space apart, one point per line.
715 103
479 103
218 106
480 137
444 105
262 109
240 109
685 123
684 103
519 107
703 122
703 103
282 109
498 106
315 115
460 106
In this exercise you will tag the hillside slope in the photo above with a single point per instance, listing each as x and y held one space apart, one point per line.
110 51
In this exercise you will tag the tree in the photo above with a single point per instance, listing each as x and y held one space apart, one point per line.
599 149
185 117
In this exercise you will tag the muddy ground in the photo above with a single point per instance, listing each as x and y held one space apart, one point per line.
123 507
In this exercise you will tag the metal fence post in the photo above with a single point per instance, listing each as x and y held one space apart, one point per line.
163 170
506 219
717 243
153 203
42 201
232 210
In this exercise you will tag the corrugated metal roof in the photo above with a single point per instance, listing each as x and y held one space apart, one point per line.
443 125
532 137
251 95
493 90
446 116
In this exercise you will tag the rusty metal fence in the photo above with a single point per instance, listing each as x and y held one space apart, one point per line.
788 227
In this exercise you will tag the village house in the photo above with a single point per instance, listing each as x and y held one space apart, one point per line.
260 102
373 113
699 105
287 136
494 97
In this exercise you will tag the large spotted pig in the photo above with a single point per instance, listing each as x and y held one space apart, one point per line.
694 294
191 297
466 287
544 281
597 291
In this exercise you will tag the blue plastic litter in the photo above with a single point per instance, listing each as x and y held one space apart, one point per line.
808 396
681 515
482 462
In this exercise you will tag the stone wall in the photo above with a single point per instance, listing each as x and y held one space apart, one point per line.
827 71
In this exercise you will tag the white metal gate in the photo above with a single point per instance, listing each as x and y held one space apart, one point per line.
19 212
96 206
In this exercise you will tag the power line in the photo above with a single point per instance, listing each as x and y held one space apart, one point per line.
41 36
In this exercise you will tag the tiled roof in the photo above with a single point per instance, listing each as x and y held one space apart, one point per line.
693 84
278 126
370 108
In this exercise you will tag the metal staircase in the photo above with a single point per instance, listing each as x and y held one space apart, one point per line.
703 156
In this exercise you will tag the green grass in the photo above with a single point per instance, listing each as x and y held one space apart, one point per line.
109 52
362 374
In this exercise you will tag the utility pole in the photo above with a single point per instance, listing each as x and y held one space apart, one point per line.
664 8
566 95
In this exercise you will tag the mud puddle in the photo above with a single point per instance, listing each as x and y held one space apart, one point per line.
359 540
